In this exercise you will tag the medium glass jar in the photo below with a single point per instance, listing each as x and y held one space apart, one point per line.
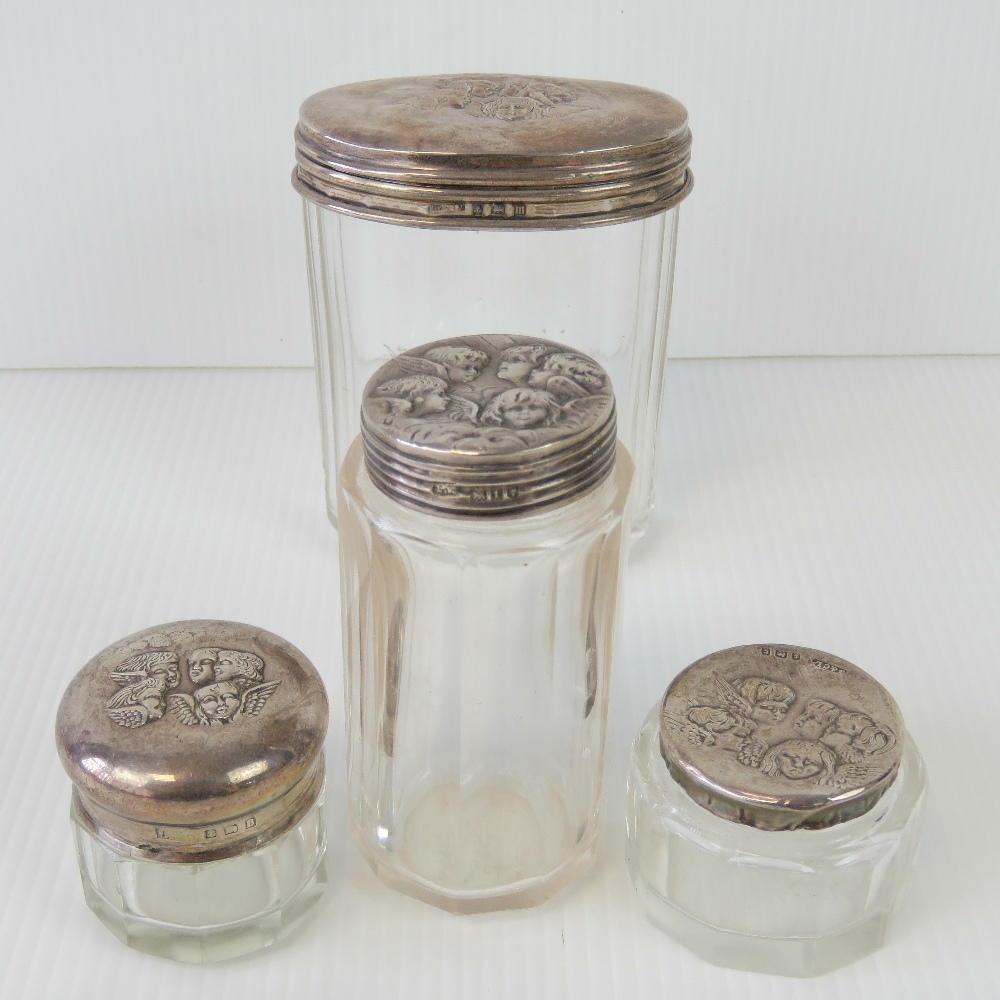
480 536
774 808
196 752
447 206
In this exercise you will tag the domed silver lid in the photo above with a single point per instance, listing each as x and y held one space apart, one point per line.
488 425
781 737
487 151
194 741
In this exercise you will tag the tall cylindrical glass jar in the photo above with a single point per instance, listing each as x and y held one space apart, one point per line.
465 205
480 534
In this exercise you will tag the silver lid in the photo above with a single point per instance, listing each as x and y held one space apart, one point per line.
482 151
781 737
194 741
488 425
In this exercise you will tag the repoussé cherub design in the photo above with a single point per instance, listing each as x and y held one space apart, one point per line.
227 683
145 679
509 99
460 397
732 726
828 744
237 688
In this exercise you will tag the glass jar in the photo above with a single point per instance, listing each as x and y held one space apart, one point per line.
774 808
196 754
481 549
447 206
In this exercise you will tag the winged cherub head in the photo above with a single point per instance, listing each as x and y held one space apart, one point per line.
799 759
769 699
521 409
758 699
518 362
239 667
564 368
859 734
462 364
144 680
818 715
218 702
419 395
201 665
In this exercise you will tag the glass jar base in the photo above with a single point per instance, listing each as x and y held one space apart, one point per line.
209 911
208 944
800 957
530 892
787 902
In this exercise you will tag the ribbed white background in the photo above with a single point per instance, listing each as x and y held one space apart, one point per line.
845 504
845 154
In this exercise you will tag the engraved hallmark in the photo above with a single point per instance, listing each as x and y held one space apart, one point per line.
477 494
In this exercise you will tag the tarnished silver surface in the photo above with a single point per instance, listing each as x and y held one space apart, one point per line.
194 741
486 151
781 737
488 425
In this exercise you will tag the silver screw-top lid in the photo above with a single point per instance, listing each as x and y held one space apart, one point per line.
488 425
781 737
482 151
194 741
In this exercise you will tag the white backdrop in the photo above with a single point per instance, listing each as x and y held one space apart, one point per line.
846 199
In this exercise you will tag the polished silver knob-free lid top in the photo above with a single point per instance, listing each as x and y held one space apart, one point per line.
488 425
781 737
489 151
194 741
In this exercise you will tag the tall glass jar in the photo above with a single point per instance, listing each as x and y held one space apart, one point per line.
481 523
439 207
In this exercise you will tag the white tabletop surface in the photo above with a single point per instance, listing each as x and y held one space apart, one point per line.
850 505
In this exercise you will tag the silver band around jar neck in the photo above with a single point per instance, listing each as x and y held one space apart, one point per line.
486 151
781 737
488 426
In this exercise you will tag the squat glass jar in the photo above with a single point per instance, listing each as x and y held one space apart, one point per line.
480 540
440 207
196 754
774 808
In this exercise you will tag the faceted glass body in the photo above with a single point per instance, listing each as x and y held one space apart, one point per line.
380 289
209 911
789 902
478 653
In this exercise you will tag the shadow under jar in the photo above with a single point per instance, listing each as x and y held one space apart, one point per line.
448 206
196 754
481 548
774 808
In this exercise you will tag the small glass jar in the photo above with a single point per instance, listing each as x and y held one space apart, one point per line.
480 542
196 754
774 808
448 206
